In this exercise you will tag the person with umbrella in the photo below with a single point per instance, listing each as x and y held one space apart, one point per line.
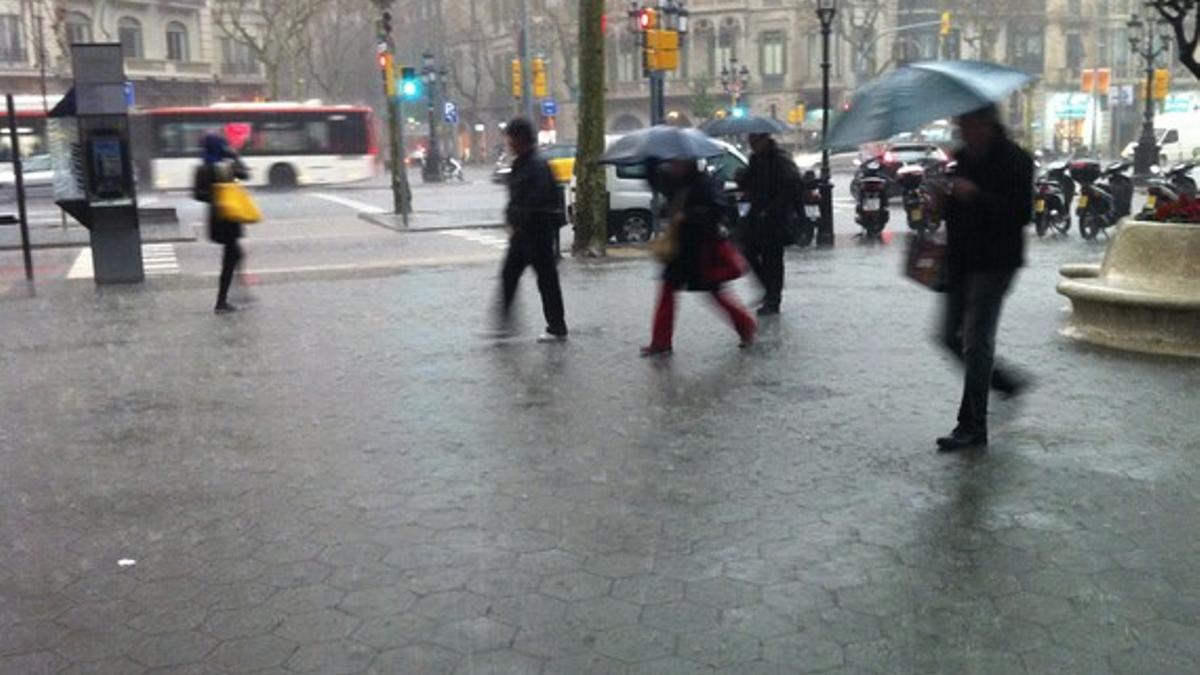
221 165
772 183
990 202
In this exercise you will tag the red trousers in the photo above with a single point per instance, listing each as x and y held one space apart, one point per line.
664 316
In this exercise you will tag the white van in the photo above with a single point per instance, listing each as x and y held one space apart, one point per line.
1178 136
629 197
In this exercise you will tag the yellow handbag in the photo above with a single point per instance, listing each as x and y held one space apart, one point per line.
234 204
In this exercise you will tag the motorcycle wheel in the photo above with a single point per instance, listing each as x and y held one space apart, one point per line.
1060 224
1089 228
804 237
1041 224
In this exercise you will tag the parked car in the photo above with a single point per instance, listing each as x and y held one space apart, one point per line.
38 175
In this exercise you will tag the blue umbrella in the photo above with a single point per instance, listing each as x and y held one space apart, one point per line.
660 142
912 96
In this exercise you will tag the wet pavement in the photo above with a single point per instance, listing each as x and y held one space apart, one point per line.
345 478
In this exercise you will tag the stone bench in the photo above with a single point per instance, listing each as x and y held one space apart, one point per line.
1145 296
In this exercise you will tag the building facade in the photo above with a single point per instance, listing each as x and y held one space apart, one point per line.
174 53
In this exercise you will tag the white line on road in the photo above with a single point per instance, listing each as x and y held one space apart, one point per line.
157 260
361 207
490 240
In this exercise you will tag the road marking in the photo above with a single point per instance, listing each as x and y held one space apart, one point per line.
157 260
477 237
361 207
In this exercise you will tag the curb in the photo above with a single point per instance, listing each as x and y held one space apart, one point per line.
392 222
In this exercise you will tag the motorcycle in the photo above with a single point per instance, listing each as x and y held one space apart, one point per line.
871 210
1167 189
918 183
1105 196
810 217
1053 193
452 169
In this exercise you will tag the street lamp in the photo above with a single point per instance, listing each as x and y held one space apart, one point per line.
734 81
1145 154
432 171
826 11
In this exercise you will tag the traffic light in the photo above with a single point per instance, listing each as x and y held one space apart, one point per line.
385 24
388 67
797 114
738 111
662 50
647 19
1162 83
516 78
540 87
410 84
945 29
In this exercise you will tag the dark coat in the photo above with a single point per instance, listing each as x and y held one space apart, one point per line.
219 230
703 206
988 234
534 204
772 183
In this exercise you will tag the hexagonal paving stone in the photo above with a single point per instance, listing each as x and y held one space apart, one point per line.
339 657
554 561
424 659
306 599
33 663
1042 609
760 621
106 667
553 639
620 564
722 592
165 592
504 662
295 574
603 613
502 583
101 587
237 595
359 576
252 653
434 579
100 615
576 586
475 635
169 619
451 605
30 637
93 645
243 622
287 551
395 630
670 666
377 601
585 664
797 596
648 589
635 643
719 648
172 649
326 624
680 617
418 555
803 653
353 552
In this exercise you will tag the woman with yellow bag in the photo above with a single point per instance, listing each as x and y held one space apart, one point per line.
229 207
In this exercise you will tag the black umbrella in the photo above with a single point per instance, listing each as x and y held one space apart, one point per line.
660 143
740 126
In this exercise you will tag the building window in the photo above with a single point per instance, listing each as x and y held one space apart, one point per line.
1026 47
708 40
1075 53
814 54
773 60
12 49
1075 7
627 58
177 42
725 50
129 31
79 28
237 58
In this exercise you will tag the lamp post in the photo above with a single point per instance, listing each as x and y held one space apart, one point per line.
1145 154
734 81
826 11
432 171
650 20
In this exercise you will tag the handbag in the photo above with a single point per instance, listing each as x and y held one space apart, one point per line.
722 262
234 204
925 260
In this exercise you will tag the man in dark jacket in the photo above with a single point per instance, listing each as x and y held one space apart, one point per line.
772 183
990 203
534 214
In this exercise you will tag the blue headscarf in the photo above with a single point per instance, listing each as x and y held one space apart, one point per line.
215 149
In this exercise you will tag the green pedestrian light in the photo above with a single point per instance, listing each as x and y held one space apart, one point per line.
410 84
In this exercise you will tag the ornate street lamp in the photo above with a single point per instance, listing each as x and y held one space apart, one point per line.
826 11
735 81
1145 154
432 171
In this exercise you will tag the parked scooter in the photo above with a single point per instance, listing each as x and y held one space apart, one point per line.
810 217
1053 193
1105 196
1164 189
918 183
452 169
871 211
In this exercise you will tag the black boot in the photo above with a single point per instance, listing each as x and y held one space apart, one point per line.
962 440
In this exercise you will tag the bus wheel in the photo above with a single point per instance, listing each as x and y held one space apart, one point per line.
282 176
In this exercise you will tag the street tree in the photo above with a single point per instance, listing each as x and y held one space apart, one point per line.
338 49
273 30
702 104
1184 18
591 218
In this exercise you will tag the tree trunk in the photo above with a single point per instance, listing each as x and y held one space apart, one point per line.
273 85
591 197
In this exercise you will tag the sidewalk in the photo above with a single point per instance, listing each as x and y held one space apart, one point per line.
343 478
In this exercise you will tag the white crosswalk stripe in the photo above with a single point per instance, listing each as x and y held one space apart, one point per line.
480 237
157 260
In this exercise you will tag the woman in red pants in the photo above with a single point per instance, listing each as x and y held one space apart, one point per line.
694 240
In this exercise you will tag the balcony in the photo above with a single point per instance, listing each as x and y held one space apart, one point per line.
241 70
15 58
170 69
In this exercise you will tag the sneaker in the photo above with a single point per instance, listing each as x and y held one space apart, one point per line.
962 440
224 308
652 350
548 337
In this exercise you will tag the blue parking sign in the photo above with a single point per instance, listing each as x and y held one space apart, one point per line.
549 108
450 112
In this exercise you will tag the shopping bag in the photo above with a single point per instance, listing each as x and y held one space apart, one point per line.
234 204
722 262
925 260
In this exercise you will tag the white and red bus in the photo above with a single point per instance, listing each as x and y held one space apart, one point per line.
283 144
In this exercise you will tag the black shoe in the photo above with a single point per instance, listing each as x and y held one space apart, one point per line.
768 310
224 308
962 440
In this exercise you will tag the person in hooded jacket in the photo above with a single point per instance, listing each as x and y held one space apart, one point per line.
772 183
221 165
696 207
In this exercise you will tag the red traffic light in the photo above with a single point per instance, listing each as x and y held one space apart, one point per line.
383 60
646 19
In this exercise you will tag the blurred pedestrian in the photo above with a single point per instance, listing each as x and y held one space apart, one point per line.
692 248
534 216
772 183
990 202
221 165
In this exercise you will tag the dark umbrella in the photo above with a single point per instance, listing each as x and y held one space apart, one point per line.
740 126
912 96
660 143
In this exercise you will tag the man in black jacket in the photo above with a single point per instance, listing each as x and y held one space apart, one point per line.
534 214
772 182
990 203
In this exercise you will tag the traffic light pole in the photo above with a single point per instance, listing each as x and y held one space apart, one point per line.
401 196
526 69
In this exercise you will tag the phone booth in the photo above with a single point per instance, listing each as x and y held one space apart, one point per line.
93 167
